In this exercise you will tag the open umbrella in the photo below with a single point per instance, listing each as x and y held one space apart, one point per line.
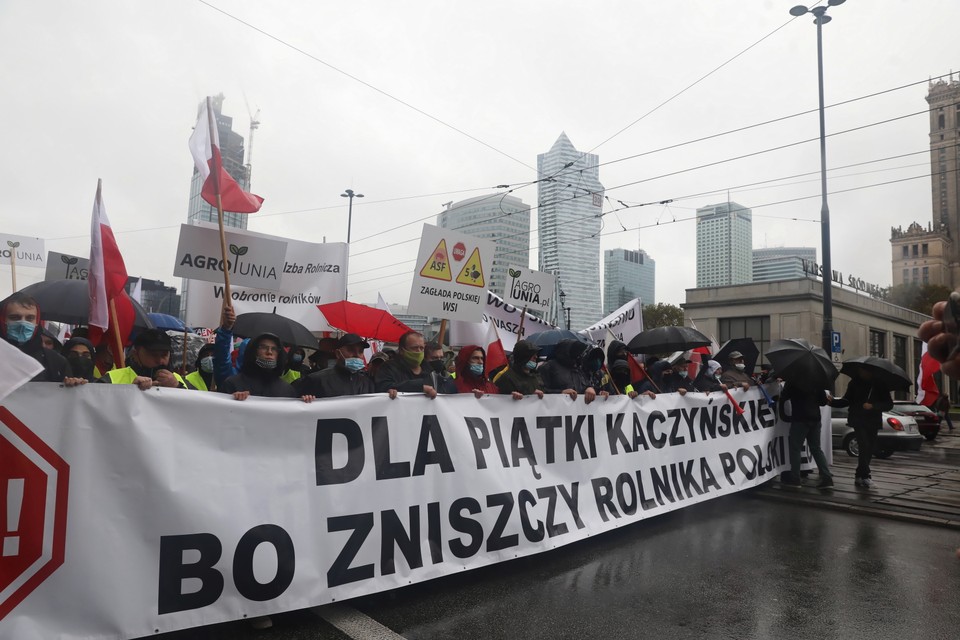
549 339
885 372
166 322
667 340
69 301
797 361
362 320
746 346
290 332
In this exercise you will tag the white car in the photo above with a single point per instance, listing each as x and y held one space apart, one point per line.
899 433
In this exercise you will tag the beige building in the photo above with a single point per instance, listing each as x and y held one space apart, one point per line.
920 256
767 311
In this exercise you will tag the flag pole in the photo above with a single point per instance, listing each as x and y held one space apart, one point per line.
183 360
13 267
116 334
443 331
523 315
216 180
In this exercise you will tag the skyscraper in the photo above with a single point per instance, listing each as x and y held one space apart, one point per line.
627 275
724 245
570 205
781 263
231 152
505 219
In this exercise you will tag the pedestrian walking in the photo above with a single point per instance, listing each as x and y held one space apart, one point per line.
805 426
867 400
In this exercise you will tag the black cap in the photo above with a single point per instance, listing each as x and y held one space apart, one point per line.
154 339
348 339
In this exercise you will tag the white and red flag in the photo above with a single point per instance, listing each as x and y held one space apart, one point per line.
496 356
927 390
110 307
205 148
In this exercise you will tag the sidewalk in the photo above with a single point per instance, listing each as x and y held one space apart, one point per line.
921 487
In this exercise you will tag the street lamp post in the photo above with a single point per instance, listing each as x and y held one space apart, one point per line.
349 193
821 18
563 307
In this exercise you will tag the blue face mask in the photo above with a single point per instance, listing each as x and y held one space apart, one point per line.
353 364
20 331
476 369
297 359
532 365
206 364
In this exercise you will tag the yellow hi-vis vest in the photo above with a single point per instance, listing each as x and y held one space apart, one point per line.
197 381
127 375
290 376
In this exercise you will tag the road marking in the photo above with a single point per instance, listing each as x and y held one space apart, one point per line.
354 624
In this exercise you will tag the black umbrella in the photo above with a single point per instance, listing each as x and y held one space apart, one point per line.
69 301
667 340
290 332
797 361
549 339
746 346
883 371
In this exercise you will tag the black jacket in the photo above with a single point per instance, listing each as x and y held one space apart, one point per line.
55 366
517 377
335 381
265 383
395 374
563 370
860 391
804 403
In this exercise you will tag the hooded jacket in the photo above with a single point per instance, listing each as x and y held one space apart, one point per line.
200 379
265 383
563 370
55 366
518 377
80 367
466 381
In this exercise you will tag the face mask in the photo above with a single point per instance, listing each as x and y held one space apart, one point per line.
80 366
206 364
531 365
593 365
20 331
412 358
476 369
353 364
684 373
438 366
297 359
263 363
740 366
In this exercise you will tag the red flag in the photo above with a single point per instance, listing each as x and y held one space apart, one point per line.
205 148
496 356
106 279
927 390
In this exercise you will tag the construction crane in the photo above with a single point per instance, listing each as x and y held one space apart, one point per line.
254 125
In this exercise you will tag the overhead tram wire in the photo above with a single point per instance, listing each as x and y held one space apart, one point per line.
364 83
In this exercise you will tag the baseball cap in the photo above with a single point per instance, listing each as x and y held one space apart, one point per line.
735 354
348 339
154 339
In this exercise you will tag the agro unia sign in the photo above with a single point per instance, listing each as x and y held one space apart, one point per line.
529 289
252 261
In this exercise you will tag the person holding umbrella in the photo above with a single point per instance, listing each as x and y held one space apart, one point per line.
805 425
867 398
263 363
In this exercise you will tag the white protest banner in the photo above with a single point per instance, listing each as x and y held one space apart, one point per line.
530 289
254 260
155 525
63 266
505 316
313 273
26 251
624 323
445 288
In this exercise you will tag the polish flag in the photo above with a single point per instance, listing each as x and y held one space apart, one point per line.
496 356
927 390
205 148
106 279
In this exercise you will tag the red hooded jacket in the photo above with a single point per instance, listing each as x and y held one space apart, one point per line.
466 382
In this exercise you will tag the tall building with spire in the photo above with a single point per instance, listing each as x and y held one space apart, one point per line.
569 216
232 153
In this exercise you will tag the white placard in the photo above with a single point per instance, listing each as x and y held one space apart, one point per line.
505 317
252 260
528 288
313 273
26 251
63 266
206 512
451 275
625 322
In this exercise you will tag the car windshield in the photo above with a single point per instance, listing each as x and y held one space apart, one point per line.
903 407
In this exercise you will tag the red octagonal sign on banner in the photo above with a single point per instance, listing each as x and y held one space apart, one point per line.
33 511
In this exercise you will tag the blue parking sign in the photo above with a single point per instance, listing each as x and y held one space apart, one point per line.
835 343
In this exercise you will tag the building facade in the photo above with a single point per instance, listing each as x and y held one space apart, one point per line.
505 219
627 275
781 263
570 199
941 237
724 245
767 311
232 153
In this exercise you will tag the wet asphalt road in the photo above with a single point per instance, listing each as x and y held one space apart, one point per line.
735 567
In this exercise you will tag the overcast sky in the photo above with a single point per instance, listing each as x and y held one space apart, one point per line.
109 89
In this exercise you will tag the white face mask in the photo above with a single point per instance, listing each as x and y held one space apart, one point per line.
740 366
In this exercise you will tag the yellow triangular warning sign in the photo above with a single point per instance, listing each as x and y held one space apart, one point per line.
437 265
472 272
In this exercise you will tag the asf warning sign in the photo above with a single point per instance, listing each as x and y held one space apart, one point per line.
33 511
435 292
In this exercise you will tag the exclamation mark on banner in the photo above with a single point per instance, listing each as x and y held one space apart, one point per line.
11 544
